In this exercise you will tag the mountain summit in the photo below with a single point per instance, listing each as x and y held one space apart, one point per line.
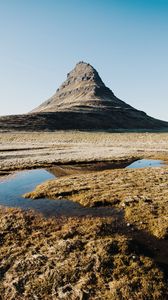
82 91
83 102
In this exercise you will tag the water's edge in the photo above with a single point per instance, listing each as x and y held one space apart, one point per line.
12 189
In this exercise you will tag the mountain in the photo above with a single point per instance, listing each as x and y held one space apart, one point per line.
82 91
83 102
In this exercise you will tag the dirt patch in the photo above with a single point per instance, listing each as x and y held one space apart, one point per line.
39 150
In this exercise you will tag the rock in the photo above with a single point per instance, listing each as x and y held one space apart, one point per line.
82 102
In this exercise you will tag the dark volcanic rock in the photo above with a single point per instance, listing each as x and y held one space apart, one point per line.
82 102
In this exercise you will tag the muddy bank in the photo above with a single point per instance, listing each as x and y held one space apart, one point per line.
4 173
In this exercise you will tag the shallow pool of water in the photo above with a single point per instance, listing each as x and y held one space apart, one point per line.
145 163
12 189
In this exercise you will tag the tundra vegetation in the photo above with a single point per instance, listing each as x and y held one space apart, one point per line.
119 257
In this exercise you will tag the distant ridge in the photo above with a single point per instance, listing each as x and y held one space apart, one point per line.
83 102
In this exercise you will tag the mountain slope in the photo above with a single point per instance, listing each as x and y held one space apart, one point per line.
82 102
84 91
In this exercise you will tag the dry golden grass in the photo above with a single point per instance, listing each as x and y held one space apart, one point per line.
140 193
114 258
88 258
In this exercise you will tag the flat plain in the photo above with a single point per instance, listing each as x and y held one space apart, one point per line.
28 150
118 257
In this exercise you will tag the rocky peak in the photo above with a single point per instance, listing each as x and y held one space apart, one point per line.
82 102
83 73
82 90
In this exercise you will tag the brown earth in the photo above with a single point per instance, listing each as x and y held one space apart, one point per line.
37 150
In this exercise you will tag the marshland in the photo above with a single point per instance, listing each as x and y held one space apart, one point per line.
108 240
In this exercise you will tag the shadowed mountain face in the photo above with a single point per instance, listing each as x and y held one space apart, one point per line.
82 102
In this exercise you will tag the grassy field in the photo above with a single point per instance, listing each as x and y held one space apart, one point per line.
111 258
140 193
86 258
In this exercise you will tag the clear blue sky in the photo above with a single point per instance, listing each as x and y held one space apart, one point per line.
125 40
